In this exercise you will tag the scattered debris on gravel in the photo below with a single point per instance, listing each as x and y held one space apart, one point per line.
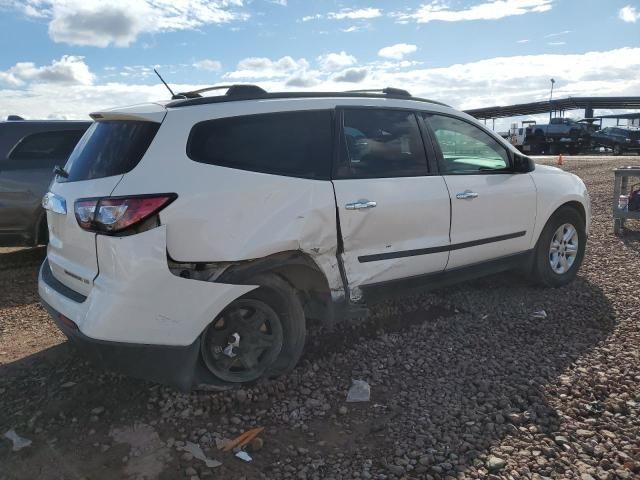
465 383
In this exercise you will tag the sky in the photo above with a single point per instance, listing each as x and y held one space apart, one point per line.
67 58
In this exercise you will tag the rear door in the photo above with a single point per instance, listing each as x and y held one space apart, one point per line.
26 172
107 151
394 213
493 210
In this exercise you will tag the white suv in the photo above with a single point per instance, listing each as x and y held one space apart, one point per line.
193 241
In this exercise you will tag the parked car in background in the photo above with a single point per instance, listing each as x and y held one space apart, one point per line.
618 139
29 150
194 241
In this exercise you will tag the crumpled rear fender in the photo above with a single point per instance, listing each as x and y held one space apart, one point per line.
135 298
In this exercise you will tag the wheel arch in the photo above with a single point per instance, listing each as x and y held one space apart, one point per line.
318 298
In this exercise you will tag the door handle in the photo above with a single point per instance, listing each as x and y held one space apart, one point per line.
360 204
466 195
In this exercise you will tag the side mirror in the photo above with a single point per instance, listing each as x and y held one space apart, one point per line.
522 163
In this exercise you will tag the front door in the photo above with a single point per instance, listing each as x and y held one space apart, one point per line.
493 210
394 213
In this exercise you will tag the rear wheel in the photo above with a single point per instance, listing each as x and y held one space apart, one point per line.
617 150
260 334
560 249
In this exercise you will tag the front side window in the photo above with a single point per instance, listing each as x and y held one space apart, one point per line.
466 149
46 145
295 144
381 143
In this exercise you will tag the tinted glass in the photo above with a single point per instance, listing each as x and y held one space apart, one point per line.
46 145
295 144
109 148
465 147
381 143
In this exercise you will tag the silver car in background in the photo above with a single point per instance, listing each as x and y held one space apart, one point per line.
29 150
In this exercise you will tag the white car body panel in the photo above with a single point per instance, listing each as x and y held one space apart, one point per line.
555 188
506 204
412 213
71 250
136 299
228 215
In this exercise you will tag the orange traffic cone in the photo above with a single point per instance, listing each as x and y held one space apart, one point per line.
560 160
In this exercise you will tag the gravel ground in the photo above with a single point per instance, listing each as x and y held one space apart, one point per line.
465 384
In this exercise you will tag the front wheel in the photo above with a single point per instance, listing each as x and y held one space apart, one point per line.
560 249
617 150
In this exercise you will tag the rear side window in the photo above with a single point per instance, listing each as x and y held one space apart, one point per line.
381 143
295 144
46 145
109 148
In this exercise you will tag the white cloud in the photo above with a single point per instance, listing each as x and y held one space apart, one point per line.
629 14
119 22
336 61
488 10
351 75
397 51
68 70
524 40
208 65
556 44
520 79
308 18
282 3
302 79
262 67
557 34
347 14
355 14
352 28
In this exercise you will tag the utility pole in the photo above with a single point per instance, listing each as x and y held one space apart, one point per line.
553 81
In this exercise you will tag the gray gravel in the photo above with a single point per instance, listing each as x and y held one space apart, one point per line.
465 384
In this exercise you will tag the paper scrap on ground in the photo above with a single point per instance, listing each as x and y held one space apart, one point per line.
18 442
360 391
541 314
242 455
197 452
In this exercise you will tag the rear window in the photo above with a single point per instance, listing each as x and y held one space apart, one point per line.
295 144
109 148
46 145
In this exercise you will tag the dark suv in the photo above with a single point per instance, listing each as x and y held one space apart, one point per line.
618 139
29 150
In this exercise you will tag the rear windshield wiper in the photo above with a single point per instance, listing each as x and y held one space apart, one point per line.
59 171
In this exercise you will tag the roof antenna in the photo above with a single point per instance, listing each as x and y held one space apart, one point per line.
165 83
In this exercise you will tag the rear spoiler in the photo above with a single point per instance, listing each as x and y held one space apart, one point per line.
146 112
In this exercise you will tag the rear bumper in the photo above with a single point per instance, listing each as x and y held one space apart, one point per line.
138 317
135 298
174 366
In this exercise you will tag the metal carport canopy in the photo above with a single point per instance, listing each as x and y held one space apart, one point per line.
569 103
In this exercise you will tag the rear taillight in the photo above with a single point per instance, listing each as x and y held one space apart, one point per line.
112 215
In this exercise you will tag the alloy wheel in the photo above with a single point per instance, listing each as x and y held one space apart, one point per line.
563 250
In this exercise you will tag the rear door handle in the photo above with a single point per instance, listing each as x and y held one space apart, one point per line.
360 204
466 195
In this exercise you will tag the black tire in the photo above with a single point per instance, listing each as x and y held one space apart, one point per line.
617 149
542 273
275 297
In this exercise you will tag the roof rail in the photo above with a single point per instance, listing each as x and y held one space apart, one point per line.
253 92
232 90
387 91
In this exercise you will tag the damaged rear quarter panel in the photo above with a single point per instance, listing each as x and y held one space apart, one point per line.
230 215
